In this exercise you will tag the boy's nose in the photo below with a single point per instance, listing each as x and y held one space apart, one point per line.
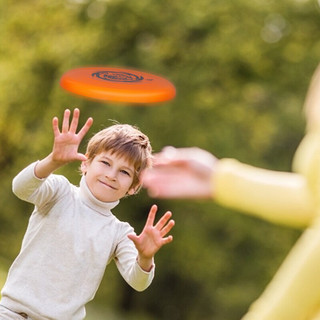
112 175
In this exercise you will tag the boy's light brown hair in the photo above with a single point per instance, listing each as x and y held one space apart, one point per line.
126 141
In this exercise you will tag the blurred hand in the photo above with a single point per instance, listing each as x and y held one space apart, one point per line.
180 173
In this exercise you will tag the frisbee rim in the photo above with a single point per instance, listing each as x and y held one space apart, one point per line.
151 89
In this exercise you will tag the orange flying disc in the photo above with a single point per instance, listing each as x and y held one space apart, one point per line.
117 84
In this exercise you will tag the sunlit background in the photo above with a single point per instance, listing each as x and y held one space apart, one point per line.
241 69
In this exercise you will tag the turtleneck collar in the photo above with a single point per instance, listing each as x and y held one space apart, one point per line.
91 201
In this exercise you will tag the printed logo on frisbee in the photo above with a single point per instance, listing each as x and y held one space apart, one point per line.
117 76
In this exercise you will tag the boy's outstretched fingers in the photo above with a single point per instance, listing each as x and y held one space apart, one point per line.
74 124
67 141
153 237
165 225
65 121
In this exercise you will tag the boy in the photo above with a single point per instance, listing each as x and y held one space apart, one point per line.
72 234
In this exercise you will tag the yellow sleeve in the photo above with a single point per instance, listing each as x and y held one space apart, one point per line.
279 197
294 293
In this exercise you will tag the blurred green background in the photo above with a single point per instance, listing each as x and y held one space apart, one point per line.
241 69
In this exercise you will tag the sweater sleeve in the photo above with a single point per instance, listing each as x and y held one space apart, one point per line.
126 261
26 186
25 183
279 197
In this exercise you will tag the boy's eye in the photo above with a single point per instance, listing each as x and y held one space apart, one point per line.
106 163
125 172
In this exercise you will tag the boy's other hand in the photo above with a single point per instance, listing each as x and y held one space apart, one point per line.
152 237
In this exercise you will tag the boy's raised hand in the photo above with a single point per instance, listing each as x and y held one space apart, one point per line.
65 145
67 141
152 237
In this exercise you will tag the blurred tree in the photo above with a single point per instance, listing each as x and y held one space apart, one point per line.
241 69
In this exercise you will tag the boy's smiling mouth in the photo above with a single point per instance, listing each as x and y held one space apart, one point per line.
107 184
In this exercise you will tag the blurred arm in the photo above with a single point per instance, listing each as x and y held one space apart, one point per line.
279 197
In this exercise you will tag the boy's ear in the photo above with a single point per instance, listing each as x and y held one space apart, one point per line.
133 190
83 167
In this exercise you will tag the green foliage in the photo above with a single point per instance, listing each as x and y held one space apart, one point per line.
241 69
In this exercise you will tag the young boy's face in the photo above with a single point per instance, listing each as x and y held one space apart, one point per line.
108 176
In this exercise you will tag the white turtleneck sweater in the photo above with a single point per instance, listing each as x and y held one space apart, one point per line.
70 239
